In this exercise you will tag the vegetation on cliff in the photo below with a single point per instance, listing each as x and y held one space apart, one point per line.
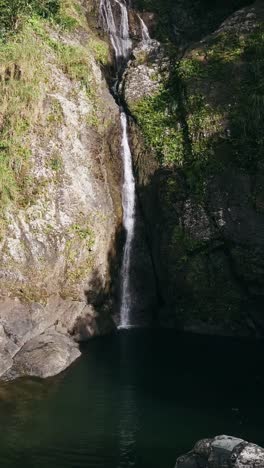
187 20
187 118
204 127
55 113
31 32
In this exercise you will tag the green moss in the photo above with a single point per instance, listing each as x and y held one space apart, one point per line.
194 111
83 232
22 75
13 13
56 115
205 124
56 162
194 18
161 129
79 256
100 50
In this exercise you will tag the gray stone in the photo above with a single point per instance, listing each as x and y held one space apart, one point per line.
44 356
55 326
251 456
191 460
223 452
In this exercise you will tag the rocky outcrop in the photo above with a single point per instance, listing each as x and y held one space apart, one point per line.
47 332
58 240
199 171
222 452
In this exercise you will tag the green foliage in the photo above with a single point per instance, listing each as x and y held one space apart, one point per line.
161 129
204 126
84 232
100 50
247 113
56 162
22 73
187 120
26 50
12 12
74 61
193 18
70 15
8 186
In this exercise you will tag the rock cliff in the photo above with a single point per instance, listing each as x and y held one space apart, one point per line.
198 156
199 169
59 189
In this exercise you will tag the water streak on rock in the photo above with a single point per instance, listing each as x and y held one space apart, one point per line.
144 30
118 29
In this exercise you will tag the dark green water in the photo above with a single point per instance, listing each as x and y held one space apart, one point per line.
137 399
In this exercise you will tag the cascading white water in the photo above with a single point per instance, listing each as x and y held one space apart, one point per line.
129 202
122 45
119 34
144 30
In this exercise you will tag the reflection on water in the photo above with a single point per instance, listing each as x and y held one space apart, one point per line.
128 409
128 427
137 399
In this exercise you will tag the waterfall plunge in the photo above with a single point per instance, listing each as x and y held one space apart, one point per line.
122 45
129 201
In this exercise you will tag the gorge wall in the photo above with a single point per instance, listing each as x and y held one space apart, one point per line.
194 93
60 192
198 154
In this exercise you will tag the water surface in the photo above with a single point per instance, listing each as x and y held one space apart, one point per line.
137 399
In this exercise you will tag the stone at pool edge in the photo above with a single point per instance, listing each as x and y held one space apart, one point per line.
44 356
41 341
223 452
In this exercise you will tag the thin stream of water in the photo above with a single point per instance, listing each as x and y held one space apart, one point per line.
144 30
118 30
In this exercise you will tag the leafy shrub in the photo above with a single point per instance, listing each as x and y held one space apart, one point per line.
12 12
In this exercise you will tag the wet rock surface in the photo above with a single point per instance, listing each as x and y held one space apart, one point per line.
223 452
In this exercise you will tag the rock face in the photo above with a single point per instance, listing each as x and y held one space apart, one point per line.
58 242
199 169
44 356
223 452
40 340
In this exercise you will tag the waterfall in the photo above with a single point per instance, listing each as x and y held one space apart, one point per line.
122 45
144 30
128 200
119 34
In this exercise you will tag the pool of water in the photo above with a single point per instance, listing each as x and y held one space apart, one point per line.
137 399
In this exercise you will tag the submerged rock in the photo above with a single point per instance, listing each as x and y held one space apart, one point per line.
223 452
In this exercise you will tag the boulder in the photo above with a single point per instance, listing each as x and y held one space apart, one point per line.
44 356
223 452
